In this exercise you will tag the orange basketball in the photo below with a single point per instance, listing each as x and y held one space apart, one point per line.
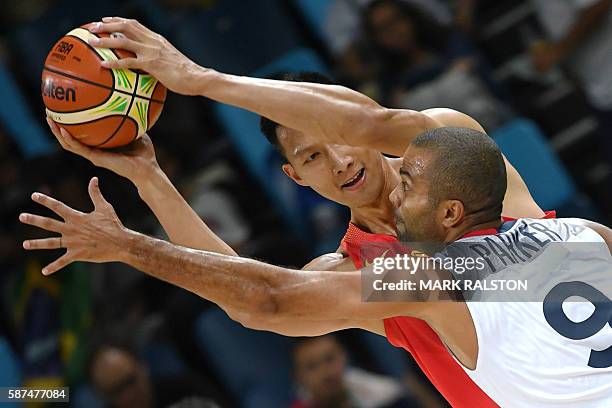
100 107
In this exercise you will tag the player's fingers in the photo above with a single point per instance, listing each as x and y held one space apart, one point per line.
46 223
137 24
46 243
121 42
114 19
124 63
96 195
57 132
131 28
72 144
58 264
53 126
54 205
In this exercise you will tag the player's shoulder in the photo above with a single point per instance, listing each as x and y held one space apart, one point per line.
334 261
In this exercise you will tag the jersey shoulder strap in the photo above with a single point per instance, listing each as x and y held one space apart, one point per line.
364 246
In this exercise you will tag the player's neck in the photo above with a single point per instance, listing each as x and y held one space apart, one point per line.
460 231
378 217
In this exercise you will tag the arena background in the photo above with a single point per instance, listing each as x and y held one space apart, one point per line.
545 120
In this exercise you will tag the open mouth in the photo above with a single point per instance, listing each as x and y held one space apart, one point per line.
356 181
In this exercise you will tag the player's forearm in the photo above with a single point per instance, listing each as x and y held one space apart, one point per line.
245 285
308 107
335 113
231 282
181 223
290 326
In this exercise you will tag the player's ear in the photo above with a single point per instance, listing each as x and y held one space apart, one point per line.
292 174
453 212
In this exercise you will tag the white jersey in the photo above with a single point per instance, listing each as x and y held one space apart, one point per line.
538 349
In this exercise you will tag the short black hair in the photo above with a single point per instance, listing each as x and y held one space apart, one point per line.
469 167
269 127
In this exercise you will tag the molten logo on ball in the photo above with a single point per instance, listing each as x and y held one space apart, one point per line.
57 92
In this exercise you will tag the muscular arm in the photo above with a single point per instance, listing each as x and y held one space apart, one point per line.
304 327
253 287
334 113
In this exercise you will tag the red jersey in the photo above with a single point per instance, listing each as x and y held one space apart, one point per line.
415 335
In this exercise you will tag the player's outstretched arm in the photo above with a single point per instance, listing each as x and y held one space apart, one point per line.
138 164
97 237
244 285
335 113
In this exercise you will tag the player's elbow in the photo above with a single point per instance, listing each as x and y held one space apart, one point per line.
253 318
250 322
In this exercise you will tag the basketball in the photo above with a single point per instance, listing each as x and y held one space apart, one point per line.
100 107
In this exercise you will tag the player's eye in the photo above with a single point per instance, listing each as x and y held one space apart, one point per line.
312 157
405 186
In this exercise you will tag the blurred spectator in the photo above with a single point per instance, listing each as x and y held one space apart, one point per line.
579 33
324 380
343 25
424 64
124 381
346 40
464 14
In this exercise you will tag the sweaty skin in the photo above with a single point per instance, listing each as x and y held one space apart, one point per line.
331 116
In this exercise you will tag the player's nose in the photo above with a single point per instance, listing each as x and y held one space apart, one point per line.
341 162
395 197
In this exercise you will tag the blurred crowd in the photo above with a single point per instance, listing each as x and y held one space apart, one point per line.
537 74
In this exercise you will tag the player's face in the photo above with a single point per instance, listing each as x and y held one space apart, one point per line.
417 216
352 176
